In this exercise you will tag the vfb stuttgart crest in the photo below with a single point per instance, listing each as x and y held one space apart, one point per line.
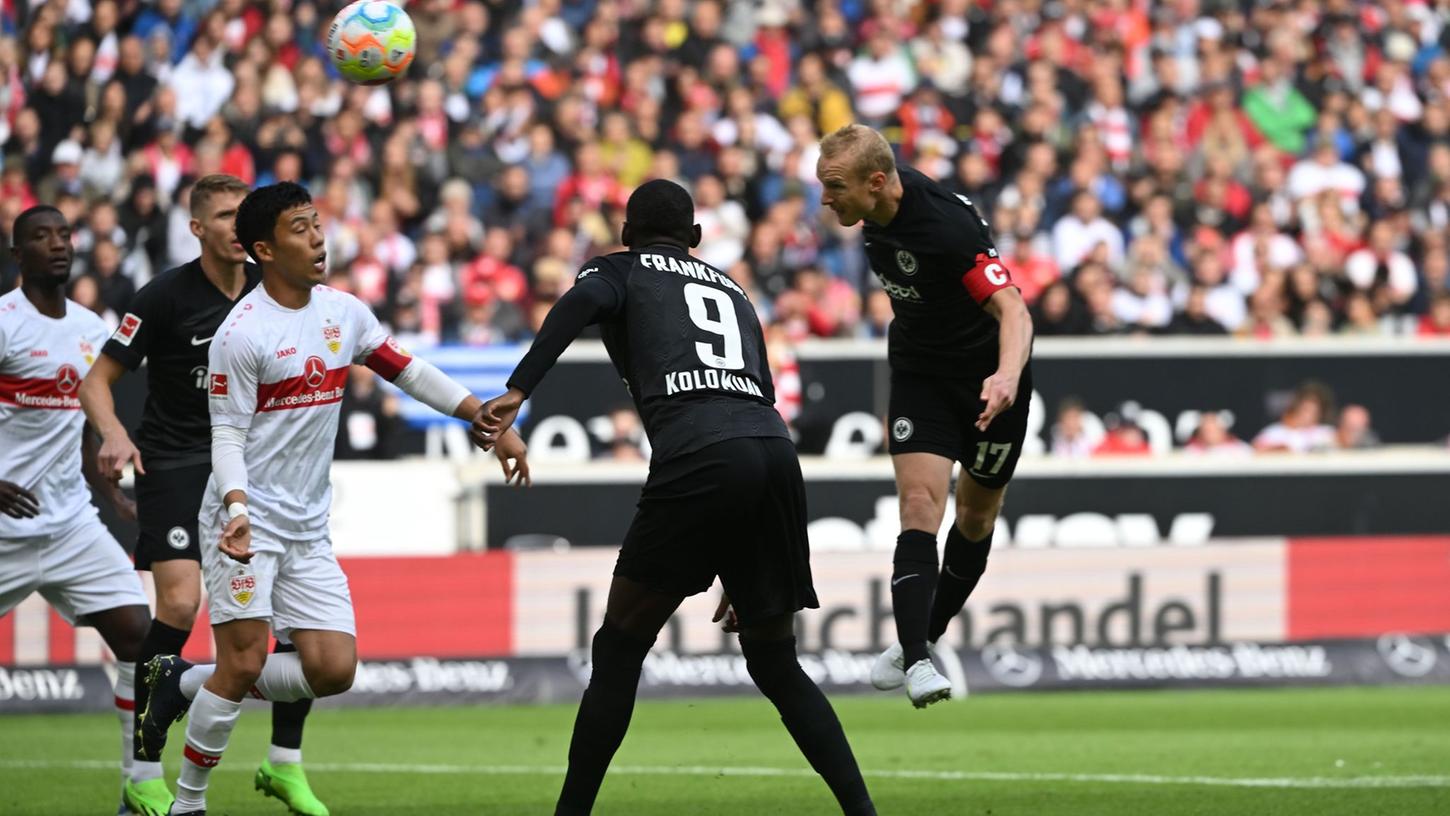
333 336
906 262
243 587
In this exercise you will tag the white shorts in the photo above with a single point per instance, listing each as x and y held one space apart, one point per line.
293 586
80 571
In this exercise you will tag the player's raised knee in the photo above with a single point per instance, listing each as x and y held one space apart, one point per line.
330 677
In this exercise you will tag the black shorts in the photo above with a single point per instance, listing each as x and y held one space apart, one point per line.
736 509
939 415
167 504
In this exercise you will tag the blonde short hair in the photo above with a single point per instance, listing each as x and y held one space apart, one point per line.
214 184
865 150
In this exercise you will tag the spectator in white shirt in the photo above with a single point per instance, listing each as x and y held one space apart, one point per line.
202 83
881 77
1222 301
1071 436
1078 233
1324 171
724 228
1213 438
1261 239
1301 429
1380 264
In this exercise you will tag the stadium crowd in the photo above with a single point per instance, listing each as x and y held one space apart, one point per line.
1193 167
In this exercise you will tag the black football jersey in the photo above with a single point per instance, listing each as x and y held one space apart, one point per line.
170 324
937 262
687 343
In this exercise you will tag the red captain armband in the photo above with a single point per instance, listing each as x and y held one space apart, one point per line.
388 360
986 278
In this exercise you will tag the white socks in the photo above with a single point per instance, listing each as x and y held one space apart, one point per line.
131 768
126 713
192 678
281 756
282 680
208 727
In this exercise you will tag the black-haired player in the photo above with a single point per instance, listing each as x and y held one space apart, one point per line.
276 372
51 539
724 495
170 324
959 348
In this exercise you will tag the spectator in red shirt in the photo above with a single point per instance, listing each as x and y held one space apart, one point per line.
491 276
591 182
1436 321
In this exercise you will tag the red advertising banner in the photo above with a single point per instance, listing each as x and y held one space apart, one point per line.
1367 586
498 604
443 606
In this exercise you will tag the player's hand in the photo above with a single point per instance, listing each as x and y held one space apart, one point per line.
17 502
513 455
496 416
114 454
236 541
999 391
726 612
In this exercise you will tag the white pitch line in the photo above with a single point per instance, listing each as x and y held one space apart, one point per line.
1314 782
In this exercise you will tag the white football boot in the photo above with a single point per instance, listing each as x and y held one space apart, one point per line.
925 685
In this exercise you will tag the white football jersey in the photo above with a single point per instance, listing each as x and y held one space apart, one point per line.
42 363
279 374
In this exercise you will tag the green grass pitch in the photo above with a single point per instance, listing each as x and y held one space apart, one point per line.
1306 751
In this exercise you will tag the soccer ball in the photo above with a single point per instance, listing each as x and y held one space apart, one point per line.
372 42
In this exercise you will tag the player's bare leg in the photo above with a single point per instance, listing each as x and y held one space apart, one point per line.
633 618
281 774
122 629
922 483
770 657
329 662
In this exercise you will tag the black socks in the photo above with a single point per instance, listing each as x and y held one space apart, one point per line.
913 582
963 563
604 714
287 718
809 718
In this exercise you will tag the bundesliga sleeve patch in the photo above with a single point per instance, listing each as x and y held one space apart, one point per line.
218 385
986 277
126 332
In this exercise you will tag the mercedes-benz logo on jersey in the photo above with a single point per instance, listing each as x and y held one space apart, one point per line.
314 371
178 538
906 262
902 429
67 379
1012 667
1407 656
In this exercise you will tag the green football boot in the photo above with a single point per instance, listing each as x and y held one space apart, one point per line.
288 783
149 798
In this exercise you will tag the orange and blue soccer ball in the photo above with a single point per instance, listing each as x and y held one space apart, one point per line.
372 42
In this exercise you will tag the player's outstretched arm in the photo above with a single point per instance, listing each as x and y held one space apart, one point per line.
593 297
999 391
100 407
102 482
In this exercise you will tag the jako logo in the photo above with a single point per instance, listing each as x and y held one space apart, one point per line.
286 352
